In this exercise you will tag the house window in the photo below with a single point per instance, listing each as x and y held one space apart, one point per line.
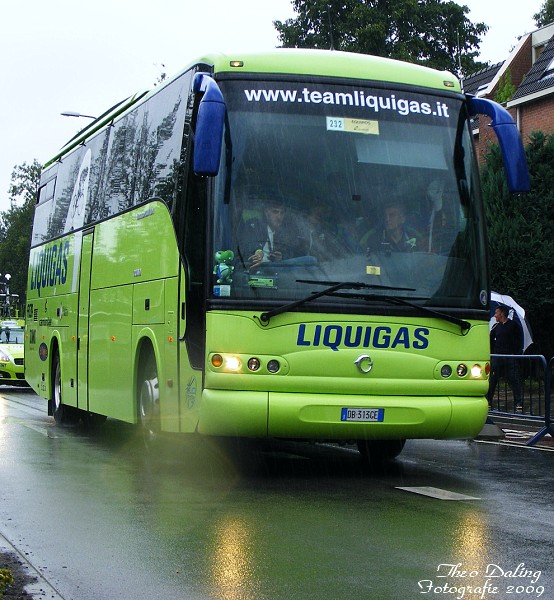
549 71
482 90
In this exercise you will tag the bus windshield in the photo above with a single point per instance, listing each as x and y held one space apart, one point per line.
324 183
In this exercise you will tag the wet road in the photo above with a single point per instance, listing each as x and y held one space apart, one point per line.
99 517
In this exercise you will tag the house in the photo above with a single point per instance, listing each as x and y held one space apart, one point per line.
533 102
530 67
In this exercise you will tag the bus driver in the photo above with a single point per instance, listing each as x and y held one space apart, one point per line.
272 238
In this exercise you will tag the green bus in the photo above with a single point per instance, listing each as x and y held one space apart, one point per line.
288 244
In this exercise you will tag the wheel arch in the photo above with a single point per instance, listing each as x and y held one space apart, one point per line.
53 351
147 345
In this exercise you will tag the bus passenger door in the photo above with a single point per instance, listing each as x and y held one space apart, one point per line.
192 305
190 375
83 321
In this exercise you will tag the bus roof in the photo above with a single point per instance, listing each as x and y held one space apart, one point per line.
291 61
332 63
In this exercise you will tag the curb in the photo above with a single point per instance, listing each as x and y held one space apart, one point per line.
491 431
38 587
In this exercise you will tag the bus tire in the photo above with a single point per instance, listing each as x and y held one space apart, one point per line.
63 414
148 397
377 452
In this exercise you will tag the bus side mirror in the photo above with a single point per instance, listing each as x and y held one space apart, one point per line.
511 146
210 122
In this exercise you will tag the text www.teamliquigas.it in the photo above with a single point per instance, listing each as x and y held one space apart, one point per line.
355 98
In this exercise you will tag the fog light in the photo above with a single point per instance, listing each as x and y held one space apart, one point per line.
446 371
232 363
254 364
461 370
476 371
273 366
217 360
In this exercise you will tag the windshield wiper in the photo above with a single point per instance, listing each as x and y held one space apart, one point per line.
463 324
334 287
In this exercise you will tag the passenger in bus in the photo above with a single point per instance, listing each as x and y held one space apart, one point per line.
441 229
325 238
348 219
275 237
395 235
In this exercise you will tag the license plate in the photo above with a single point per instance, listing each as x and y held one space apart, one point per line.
367 415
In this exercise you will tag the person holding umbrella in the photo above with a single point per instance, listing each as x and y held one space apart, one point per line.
506 337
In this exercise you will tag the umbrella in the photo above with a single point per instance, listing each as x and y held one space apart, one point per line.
516 312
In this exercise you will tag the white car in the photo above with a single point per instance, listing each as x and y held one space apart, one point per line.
12 363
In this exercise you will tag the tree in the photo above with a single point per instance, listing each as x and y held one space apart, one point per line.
506 88
162 77
15 226
545 14
434 33
24 183
521 236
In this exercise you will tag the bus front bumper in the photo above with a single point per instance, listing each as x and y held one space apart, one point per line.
320 416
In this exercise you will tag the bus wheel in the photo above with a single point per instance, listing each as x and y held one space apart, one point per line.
377 452
63 415
148 390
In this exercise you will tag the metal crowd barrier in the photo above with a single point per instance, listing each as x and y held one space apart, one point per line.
524 389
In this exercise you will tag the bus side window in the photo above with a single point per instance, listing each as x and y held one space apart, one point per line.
44 208
46 192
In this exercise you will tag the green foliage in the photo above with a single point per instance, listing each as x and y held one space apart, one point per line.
24 183
16 224
162 77
506 88
434 33
545 14
521 236
6 579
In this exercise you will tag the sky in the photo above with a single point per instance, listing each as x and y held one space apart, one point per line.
66 55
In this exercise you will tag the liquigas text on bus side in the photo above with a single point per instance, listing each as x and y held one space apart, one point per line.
50 266
382 336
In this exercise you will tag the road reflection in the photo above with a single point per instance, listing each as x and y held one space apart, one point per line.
471 544
233 573
239 518
221 519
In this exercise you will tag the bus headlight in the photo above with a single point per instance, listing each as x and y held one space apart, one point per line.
229 363
273 366
446 371
461 370
244 363
232 363
254 364
476 371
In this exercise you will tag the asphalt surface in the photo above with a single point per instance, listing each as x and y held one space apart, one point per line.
91 518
